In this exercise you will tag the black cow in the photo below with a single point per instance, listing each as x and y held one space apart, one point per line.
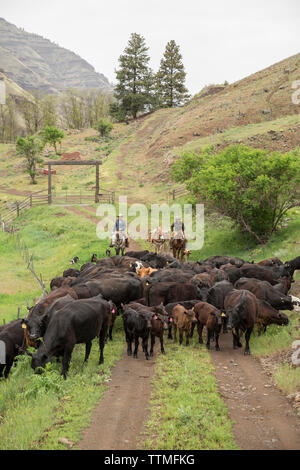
137 325
137 254
270 274
218 261
242 311
160 322
79 322
265 291
36 323
12 335
216 294
33 323
71 272
293 265
267 315
117 289
167 292
155 261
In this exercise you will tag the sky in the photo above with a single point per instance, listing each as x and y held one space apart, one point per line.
219 39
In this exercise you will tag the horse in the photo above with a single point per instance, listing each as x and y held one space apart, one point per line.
119 243
178 245
158 238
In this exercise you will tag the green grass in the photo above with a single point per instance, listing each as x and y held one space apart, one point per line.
36 410
287 377
54 235
222 238
277 338
186 410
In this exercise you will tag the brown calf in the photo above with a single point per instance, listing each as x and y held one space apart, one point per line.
268 315
183 320
210 317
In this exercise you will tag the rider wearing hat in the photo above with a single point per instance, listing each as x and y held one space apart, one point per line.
177 228
120 226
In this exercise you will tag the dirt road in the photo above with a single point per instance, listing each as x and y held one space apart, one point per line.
119 417
264 419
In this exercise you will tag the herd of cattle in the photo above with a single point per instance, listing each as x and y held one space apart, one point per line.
153 293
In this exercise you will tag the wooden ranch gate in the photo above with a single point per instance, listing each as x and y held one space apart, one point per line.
73 198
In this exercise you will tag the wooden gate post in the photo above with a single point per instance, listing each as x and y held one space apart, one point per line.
97 183
49 185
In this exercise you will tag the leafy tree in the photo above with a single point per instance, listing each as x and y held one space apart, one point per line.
73 110
171 77
32 115
30 148
253 187
104 127
49 105
52 135
8 121
132 90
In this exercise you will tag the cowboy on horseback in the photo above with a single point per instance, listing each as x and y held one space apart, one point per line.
177 231
120 226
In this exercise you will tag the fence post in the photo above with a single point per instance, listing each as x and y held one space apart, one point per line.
30 199
18 208
49 185
173 194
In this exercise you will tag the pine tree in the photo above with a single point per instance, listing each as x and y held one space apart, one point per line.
133 89
170 78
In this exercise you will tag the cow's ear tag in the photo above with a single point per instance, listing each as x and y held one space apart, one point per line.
171 319
24 326
223 314
147 283
130 265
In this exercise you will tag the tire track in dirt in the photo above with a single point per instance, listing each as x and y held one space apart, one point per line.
264 419
133 245
119 418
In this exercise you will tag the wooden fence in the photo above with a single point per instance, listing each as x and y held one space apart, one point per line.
177 193
70 198
40 198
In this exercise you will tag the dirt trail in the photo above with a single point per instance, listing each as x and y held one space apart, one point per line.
264 419
118 419
132 244
14 192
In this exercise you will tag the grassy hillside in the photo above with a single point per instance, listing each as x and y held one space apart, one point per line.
51 408
257 111
54 236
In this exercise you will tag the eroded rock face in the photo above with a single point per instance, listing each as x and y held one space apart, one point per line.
35 63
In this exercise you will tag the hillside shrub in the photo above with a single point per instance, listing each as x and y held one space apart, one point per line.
254 187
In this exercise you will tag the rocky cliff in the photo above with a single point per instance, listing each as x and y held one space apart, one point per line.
35 63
